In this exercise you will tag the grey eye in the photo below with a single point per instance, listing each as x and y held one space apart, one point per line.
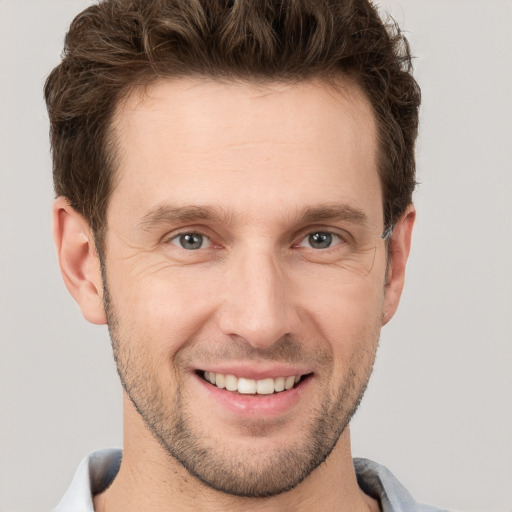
190 241
320 240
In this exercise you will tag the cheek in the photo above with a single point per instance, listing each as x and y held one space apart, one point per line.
348 316
351 330
164 309
169 307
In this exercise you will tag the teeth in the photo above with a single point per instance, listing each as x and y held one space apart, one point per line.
246 386
279 384
289 382
265 386
250 386
220 380
231 383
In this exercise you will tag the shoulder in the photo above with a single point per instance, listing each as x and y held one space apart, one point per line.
379 483
93 475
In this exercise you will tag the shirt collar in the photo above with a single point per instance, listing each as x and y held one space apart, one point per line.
97 471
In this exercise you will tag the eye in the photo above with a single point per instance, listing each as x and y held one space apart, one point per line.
320 240
191 241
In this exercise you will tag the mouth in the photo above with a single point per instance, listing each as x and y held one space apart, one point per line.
245 386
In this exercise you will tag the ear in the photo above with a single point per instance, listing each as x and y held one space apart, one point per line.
400 245
78 260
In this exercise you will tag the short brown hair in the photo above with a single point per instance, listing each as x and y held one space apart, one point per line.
117 45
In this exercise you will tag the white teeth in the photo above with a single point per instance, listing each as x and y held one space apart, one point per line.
231 383
279 384
265 386
289 382
250 386
220 380
246 386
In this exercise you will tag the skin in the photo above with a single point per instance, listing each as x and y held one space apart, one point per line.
265 163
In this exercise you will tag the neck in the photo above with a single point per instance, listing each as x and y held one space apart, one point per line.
150 479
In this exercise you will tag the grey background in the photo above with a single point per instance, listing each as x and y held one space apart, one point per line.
438 411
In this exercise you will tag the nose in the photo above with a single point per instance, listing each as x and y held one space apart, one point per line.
257 304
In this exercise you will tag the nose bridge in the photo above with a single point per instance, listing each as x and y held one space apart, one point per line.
256 303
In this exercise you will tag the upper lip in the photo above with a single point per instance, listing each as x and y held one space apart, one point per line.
251 372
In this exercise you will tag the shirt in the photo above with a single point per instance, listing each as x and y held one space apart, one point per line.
97 471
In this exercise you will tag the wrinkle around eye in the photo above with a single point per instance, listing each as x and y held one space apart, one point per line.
129 249
145 259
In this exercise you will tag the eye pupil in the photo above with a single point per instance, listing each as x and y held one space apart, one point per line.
320 240
191 241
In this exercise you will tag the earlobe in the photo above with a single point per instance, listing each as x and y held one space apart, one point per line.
78 260
398 255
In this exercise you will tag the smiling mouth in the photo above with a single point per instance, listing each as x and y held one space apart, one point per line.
244 386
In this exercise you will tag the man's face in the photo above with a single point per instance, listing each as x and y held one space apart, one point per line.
243 247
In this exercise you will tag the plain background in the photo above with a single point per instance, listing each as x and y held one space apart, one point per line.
438 411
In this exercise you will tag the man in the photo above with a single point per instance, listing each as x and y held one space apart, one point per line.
234 185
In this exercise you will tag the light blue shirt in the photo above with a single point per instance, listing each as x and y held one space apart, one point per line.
97 471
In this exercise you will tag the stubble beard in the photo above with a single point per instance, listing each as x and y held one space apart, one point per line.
242 473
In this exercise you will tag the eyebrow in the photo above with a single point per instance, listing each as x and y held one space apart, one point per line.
334 212
171 214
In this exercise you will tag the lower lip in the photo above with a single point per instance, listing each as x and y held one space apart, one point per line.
268 405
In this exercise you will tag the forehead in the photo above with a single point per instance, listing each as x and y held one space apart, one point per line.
239 144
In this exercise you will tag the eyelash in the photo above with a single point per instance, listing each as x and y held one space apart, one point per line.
335 239
190 233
